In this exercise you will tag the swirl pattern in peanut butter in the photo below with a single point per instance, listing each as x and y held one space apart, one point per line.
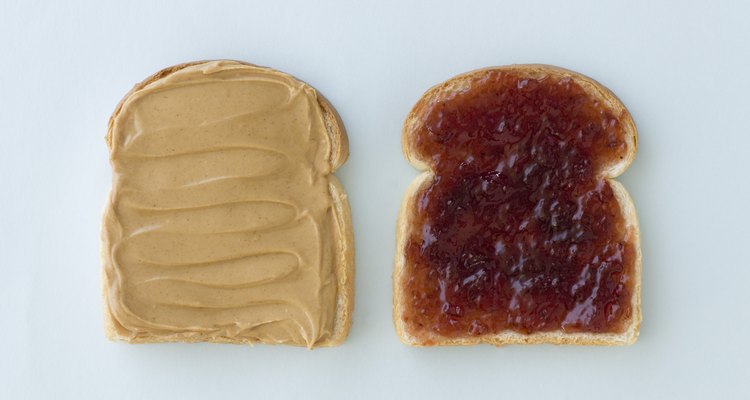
221 223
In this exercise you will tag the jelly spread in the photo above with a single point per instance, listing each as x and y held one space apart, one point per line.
519 228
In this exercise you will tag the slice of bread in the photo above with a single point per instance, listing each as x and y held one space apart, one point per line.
225 222
415 125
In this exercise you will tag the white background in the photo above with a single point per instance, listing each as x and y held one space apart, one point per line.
682 68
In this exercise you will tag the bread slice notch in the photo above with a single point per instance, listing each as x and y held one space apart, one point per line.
413 124
342 241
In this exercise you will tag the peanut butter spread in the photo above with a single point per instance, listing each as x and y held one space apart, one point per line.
221 224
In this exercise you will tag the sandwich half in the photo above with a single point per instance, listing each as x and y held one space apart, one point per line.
225 222
516 231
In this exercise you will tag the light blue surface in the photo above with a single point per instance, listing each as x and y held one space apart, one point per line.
682 68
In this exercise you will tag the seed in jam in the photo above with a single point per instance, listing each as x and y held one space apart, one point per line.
519 230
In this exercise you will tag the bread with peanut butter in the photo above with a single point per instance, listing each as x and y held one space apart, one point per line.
516 232
225 222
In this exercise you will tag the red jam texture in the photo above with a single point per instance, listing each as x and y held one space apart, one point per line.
519 230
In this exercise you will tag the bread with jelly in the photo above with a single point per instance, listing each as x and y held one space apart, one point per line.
516 230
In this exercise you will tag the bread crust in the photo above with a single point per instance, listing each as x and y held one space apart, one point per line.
345 261
406 214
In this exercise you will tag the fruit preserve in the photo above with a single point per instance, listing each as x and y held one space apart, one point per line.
519 229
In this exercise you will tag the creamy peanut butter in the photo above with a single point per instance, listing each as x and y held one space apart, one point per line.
221 224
